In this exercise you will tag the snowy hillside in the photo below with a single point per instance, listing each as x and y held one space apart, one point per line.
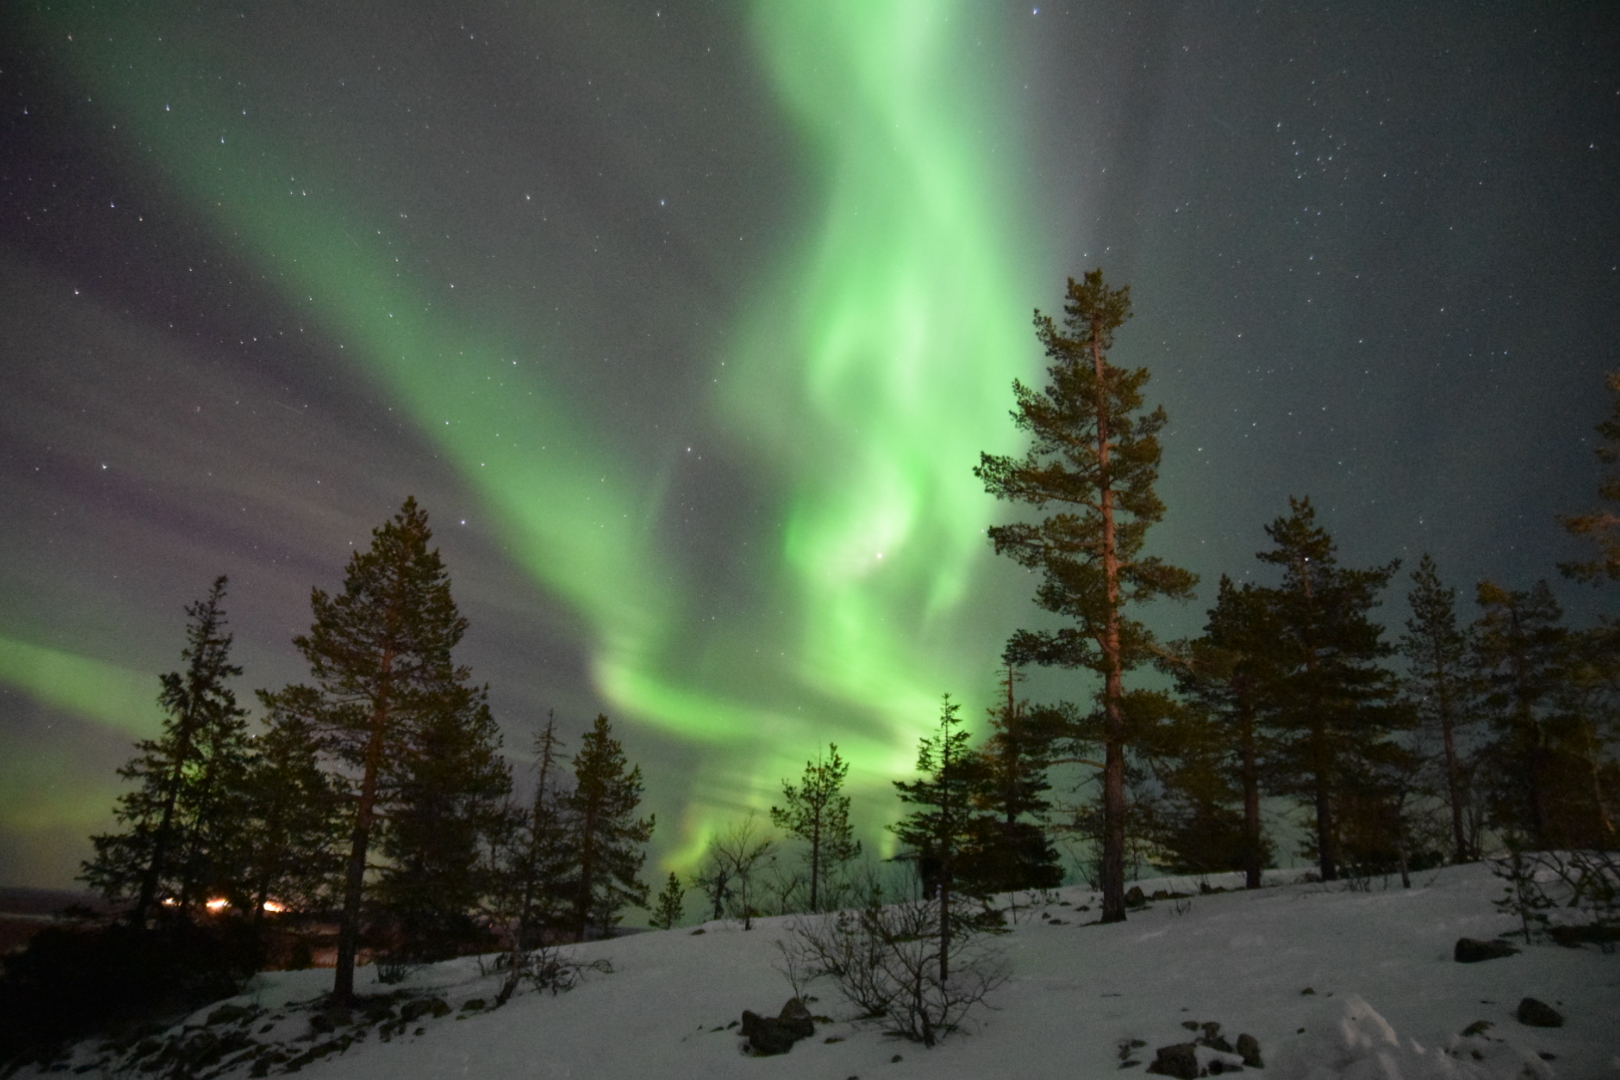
1332 982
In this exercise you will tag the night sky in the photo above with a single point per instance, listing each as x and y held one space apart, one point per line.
687 321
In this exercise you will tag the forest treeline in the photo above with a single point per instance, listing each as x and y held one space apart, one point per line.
373 798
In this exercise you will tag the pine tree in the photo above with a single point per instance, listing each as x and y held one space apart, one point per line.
1333 700
1545 775
1012 851
451 793
181 823
944 825
670 908
293 814
817 812
1095 456
608 837
542 859
379 655
1437 652
1226 676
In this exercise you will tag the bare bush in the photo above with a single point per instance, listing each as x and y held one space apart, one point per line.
885 960
546 970
1571 896
730 873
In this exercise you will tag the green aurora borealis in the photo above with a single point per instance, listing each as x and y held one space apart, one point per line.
688 323
872 369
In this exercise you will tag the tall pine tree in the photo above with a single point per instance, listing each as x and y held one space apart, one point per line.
1094 458
181 839
379 653
1333 701
608 837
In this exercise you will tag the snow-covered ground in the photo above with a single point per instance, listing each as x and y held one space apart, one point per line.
1332 982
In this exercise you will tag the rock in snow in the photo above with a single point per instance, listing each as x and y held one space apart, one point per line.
1533 1013
1469 951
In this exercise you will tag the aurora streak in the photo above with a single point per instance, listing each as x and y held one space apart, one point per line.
870 371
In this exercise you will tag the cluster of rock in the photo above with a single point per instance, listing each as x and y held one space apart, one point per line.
1531 1012
1209 1054
263 1041
777 1034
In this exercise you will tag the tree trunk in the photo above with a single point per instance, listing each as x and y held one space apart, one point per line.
1113 856
1453 775
355 877
1326 849
815 859
587 873
165 832
1251 800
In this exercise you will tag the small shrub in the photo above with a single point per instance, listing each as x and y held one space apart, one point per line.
886 962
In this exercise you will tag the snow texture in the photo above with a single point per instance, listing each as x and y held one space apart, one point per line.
1335 983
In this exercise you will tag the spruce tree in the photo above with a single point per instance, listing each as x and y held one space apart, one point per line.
541 858
379 653
452 791
1545 773
294 812
944 825
180 842
1333 700
1227 677
817 812
608 837
670 908
1011 850
1094 458
1441 685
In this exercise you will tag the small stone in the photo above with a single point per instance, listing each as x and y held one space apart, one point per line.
1469 951
1248 1048
1135 897
1539 1014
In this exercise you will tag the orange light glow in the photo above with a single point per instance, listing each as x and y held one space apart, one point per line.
218 904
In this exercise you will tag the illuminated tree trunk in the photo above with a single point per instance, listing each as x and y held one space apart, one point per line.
1113 857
